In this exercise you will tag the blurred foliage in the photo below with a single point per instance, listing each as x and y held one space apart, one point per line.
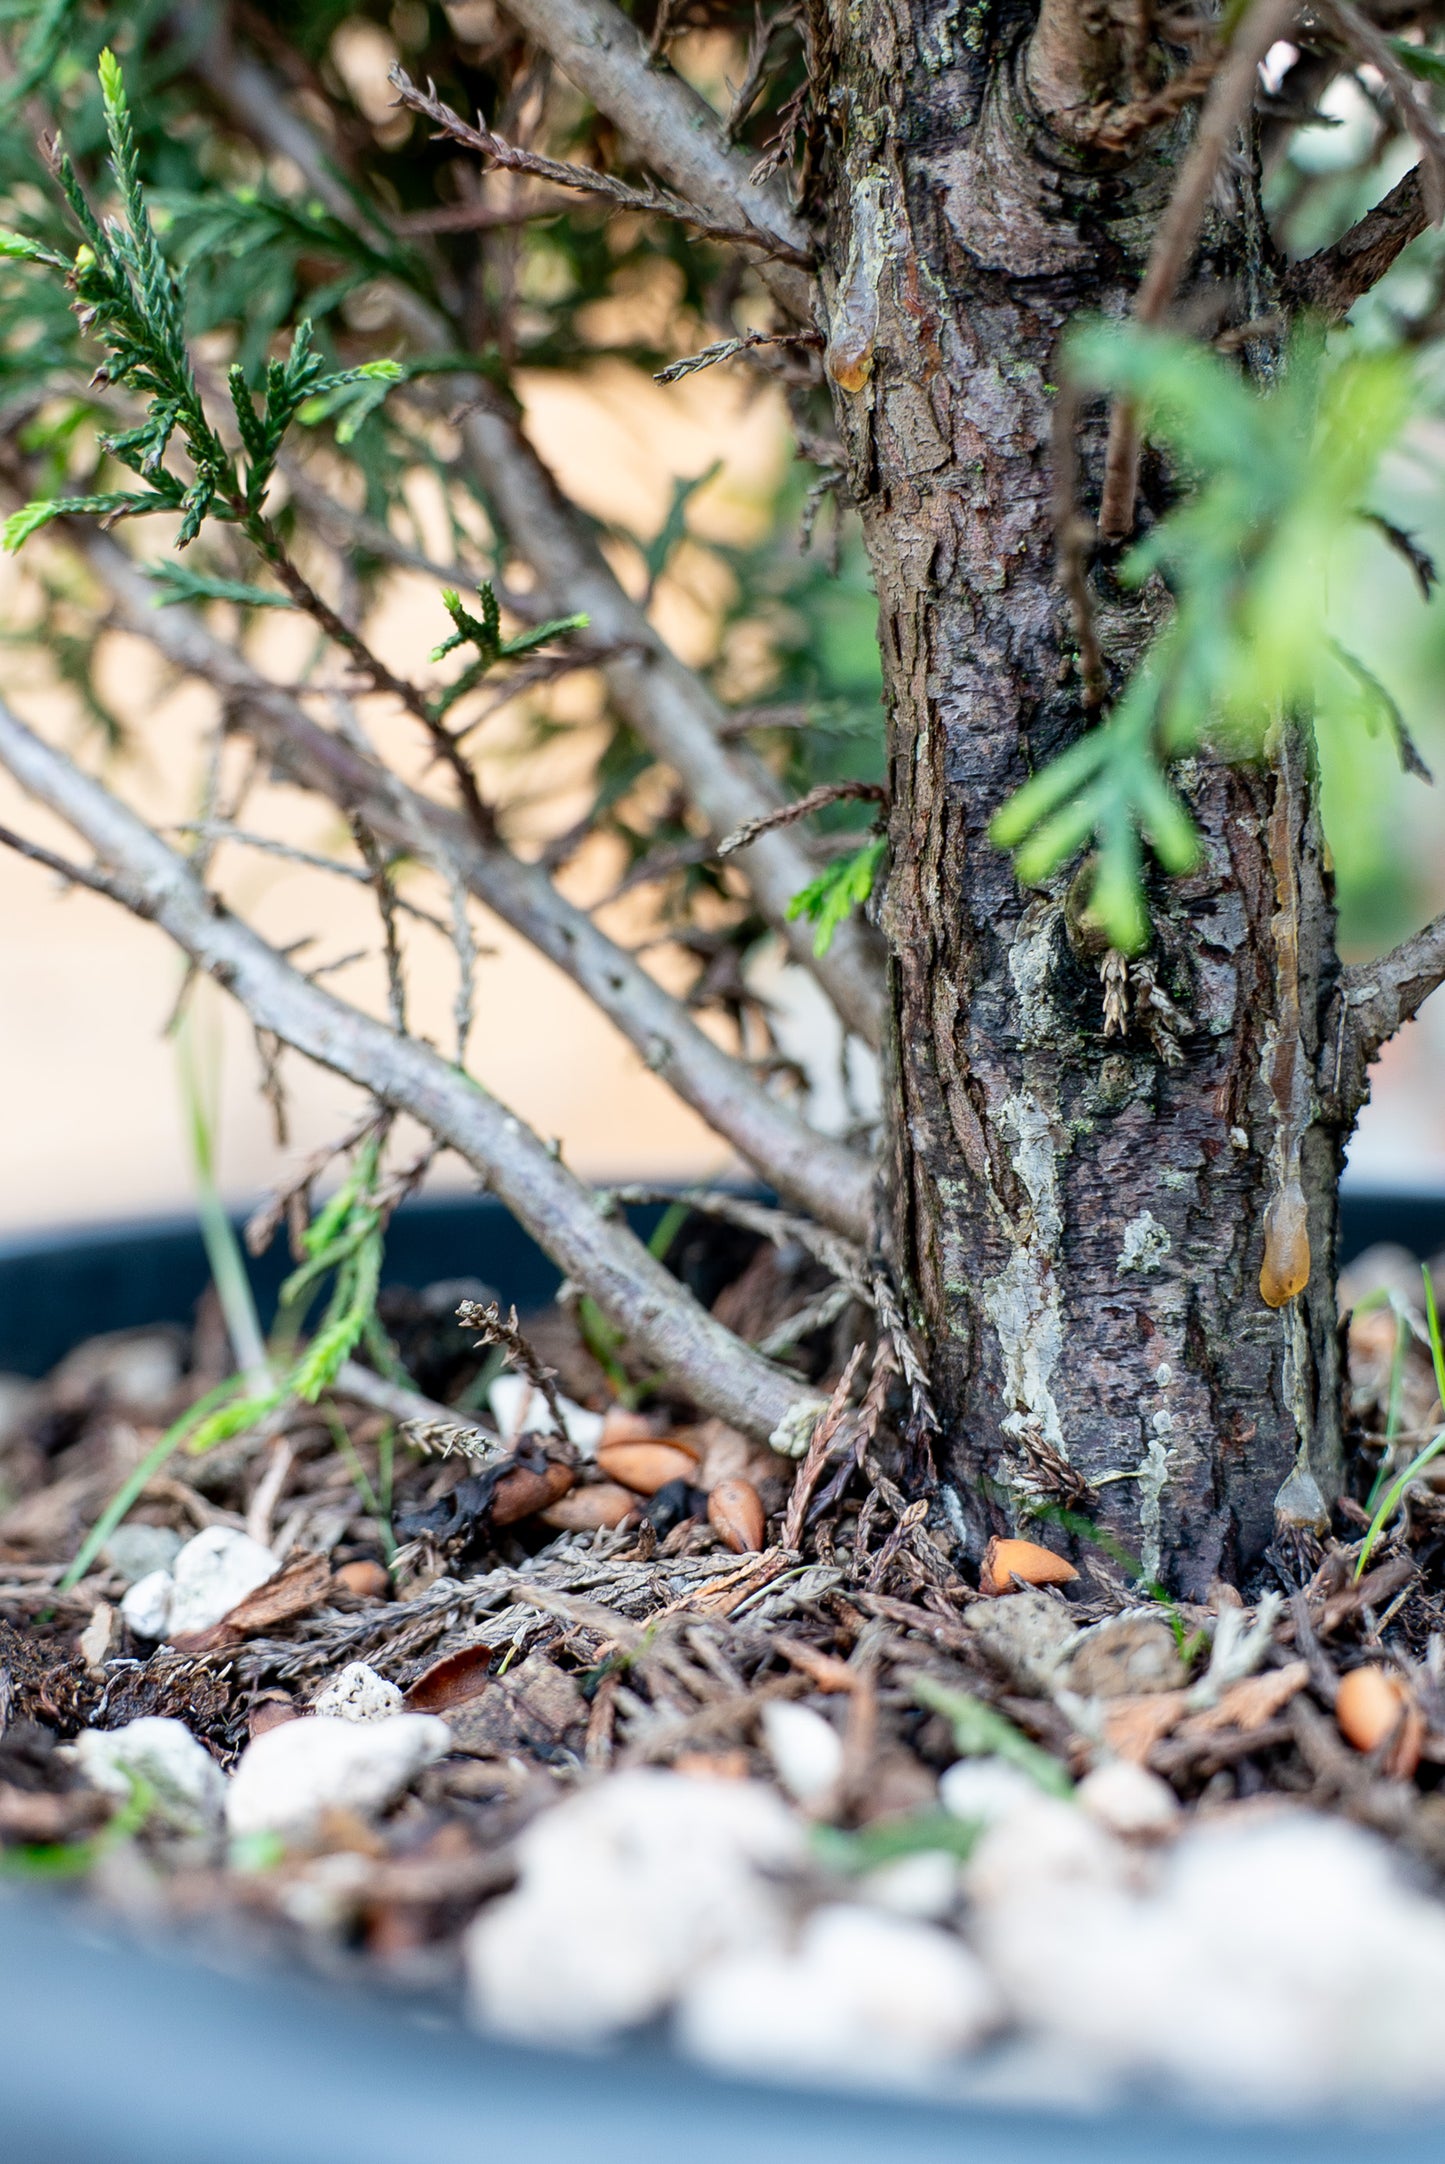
261 248
1280 475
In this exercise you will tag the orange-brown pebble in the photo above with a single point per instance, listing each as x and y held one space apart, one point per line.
368 1581
645 1467
599 1507
1006 1560
735 1513
1370 1705
525 1490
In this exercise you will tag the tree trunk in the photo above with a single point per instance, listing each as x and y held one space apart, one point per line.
1079 1215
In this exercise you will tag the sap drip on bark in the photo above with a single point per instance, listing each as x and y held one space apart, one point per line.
853 326
1285 1270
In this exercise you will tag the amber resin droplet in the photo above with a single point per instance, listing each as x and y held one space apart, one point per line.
1286 1268
853 329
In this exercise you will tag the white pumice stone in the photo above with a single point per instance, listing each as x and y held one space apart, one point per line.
925 1886
214 1571
358 1693
146 1607
136 1551
623 1891
1276 2002
187 1786
519 1408
1045 1844
861 1997
291 1776
806 1750
986 1790
1129 1800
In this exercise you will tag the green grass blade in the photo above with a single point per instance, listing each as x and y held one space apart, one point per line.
130 1488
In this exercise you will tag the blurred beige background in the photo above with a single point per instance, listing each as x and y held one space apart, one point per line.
91 1118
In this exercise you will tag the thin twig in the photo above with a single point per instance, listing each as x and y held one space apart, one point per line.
1074 537
829 1422
504 1332
726 348
650 202
74 875
1230 97
827 792
1371 45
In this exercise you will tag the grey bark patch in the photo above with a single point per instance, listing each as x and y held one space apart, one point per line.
1146 1243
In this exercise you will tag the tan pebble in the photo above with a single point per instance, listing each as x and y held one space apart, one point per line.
735 1513
621 1425
1373 1704
712 1765
599 1507
368 1581
645 1467
1006 1560
270 1713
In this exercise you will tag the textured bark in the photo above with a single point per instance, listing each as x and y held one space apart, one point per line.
1080 1223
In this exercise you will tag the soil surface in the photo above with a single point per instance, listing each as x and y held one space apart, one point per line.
635 1722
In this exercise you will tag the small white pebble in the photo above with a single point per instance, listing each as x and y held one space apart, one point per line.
212 1574
986 1790
358 1693
806 1750
862 1996
146 1607
188 1788
1127 1799
291 1776
624 1891
518 1408
924 1886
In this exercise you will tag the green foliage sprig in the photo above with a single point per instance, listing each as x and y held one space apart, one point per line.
841 887
1281 479
130 298
484 632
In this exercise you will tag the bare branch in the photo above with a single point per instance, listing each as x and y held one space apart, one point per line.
1374 1001
1230 97
633 1291
671 709
74 875
651 202
1374 48
827 792
820 1174
673 129
482 217
1334 279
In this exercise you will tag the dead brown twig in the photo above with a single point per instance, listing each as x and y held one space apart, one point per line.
1231 95
815 1458
503 1331
827 792
584 179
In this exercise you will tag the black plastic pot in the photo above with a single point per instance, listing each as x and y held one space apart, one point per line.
115 2050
